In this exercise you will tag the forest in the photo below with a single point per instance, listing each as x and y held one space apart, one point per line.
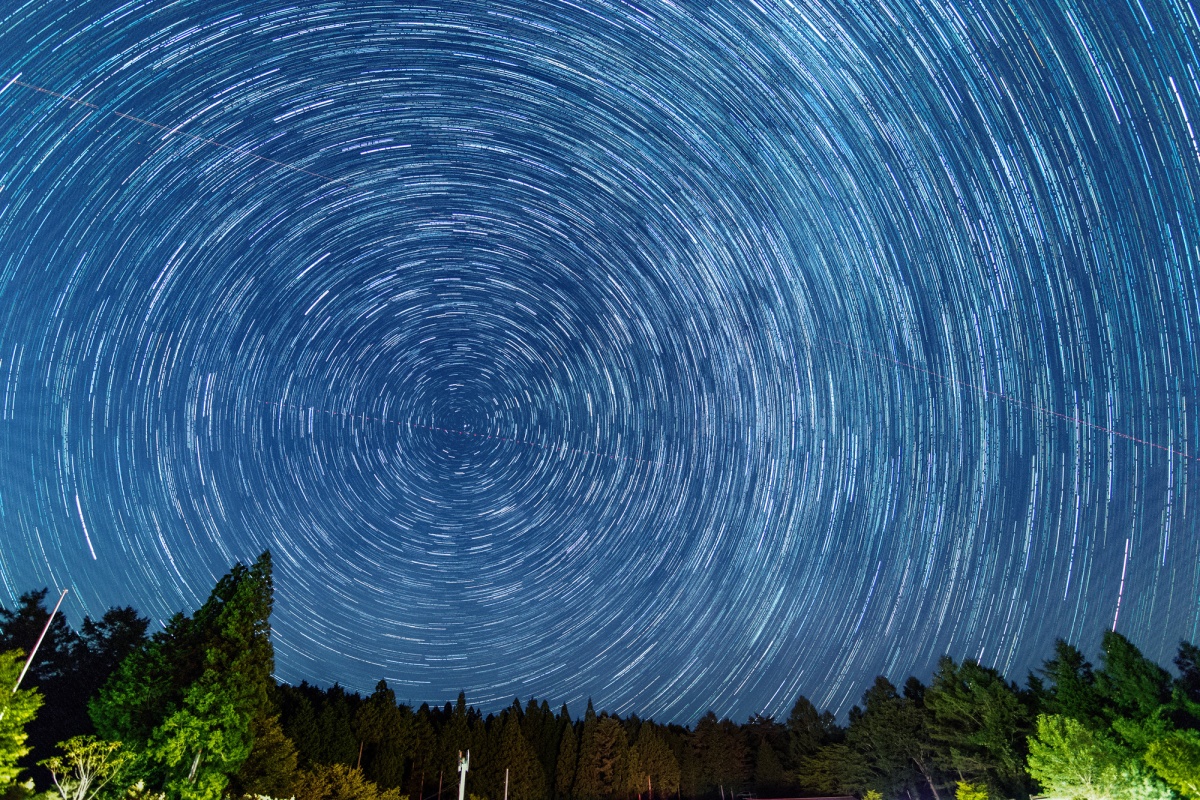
192 712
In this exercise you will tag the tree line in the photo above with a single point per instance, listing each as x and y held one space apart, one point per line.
193 712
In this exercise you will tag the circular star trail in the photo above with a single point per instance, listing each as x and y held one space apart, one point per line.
677 356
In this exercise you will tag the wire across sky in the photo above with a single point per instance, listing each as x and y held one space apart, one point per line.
679 356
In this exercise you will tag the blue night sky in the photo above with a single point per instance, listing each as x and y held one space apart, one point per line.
680 356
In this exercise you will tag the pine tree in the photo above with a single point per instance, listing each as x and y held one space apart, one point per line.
809 730
1188 663
1134 693
653 768
769 774
455 737
568 757
982 723
587 784
526 781
547 745
270 769
611 757
386 731
1072 689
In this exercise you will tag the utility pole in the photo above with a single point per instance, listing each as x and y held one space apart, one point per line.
506 783
463 765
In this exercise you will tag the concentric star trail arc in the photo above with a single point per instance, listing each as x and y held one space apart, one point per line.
673 356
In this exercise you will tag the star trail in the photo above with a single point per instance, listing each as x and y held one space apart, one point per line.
679 356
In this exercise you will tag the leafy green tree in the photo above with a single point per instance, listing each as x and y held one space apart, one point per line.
1070 759
87 765
1176 759
965 790
201 743
17 710
188 699
55 672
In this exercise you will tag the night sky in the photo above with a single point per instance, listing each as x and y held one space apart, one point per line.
680 356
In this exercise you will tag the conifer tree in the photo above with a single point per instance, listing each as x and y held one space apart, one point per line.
981 721
587 784
546 745
386 730
809 730
611 760
526 781
1072 685
568 757
653 769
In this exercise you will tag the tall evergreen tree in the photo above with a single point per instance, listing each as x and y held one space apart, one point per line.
587 784
769 775
424 753
1071 687
611 757
810 730
386 731
455 737
722 755
1188 663
526 780
654 769
568 757
890 732
982 722
1134 693
271 768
